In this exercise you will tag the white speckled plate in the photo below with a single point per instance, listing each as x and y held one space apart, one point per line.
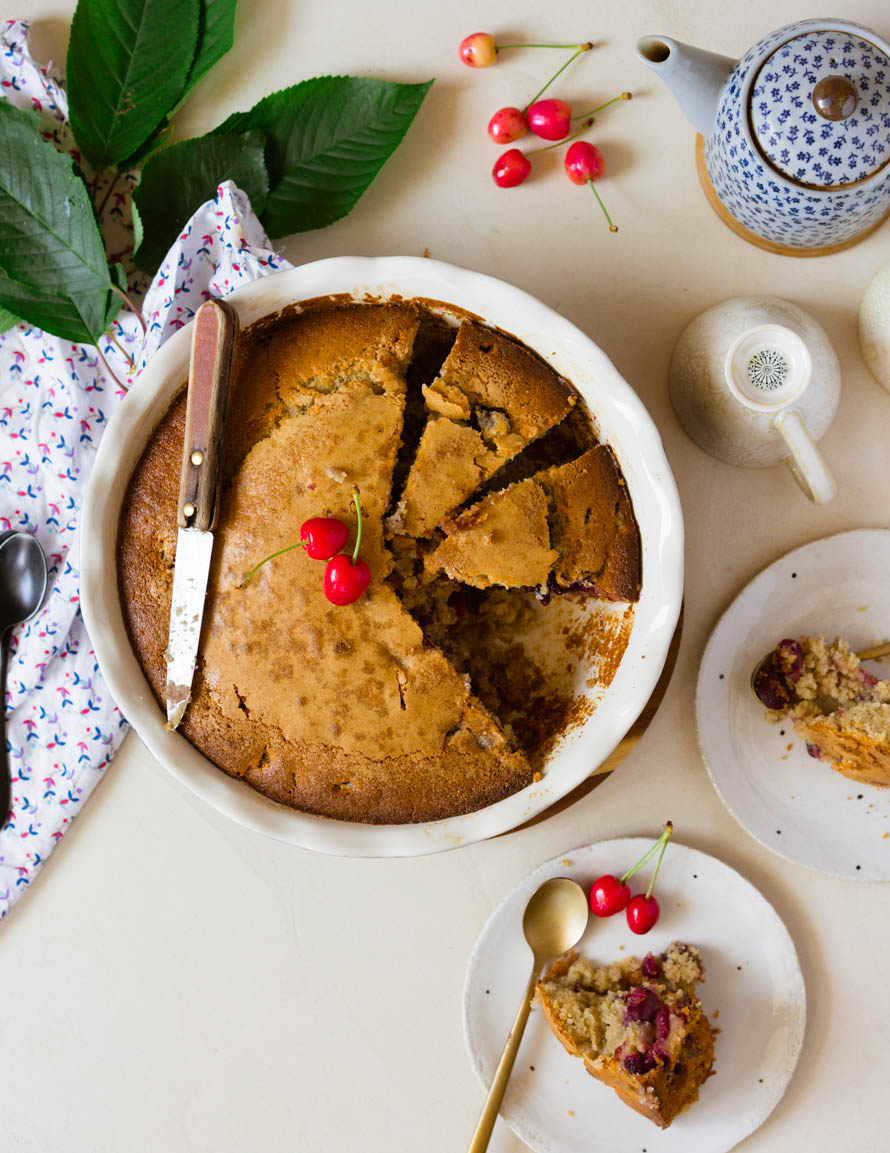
795 805
753 992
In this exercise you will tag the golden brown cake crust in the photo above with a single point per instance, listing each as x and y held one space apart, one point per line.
593 526
491 398
343 711
347 712
502 540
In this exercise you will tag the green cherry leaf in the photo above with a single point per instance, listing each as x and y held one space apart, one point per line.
128 62
53 270
7 320
178 179
326 140
216 35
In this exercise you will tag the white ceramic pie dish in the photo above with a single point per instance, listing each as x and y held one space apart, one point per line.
623 422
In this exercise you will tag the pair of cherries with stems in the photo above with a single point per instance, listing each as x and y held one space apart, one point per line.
345 577
548 119
610 894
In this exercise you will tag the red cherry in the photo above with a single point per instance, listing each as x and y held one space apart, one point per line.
323 536
584 162
344 582
507 125
608 895
511 168
478 50
550 119
642 913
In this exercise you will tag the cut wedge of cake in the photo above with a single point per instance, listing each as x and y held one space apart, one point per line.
637 1025
502 540
572 524
592 526
491 398
836 705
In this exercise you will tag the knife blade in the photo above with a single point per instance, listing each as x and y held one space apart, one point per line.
214 331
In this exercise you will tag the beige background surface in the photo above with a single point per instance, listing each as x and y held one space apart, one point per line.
176 982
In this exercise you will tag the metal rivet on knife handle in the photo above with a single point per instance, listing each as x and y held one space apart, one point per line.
213 337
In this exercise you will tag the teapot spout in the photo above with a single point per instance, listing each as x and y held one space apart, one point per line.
695 77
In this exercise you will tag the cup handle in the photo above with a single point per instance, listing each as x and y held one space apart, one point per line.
806 462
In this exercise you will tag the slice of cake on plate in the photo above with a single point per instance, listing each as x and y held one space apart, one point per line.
637 1025
836 705
492 397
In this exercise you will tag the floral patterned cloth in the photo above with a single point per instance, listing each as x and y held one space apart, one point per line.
62 727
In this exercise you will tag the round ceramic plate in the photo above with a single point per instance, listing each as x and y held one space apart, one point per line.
795 805
623 422
753 992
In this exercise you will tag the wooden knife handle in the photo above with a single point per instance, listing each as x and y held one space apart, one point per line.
214 330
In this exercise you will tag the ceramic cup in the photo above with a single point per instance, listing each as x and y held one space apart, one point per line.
754 380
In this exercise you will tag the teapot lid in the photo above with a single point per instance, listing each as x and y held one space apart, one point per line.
820 108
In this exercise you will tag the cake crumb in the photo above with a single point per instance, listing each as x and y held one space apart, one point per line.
566 861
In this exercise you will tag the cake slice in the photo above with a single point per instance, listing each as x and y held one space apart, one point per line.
504 540
838 707
592 526
491 398
637 1025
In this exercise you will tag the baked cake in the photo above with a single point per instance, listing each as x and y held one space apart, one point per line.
838 707
637 1025
362 712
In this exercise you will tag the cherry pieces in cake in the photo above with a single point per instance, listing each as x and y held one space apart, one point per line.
837 707
637 1024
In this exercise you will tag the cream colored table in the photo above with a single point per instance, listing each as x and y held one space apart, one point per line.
174 982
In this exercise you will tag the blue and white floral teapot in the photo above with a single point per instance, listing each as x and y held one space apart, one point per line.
796 134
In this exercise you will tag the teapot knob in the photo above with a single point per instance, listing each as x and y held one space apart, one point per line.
835 98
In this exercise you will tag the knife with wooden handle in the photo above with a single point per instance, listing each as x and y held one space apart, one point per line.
214 330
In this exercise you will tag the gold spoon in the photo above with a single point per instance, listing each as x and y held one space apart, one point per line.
555 920
881 650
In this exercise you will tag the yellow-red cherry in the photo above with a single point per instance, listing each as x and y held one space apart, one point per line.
323 536
478 50
608 896
345 580
642 913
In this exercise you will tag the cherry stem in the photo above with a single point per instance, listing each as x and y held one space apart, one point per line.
271 556
650 852
579 48
131 363
612 227
665 837
600 107
358 535
129 304
565 139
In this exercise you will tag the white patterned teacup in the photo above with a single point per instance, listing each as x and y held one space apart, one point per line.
754 380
